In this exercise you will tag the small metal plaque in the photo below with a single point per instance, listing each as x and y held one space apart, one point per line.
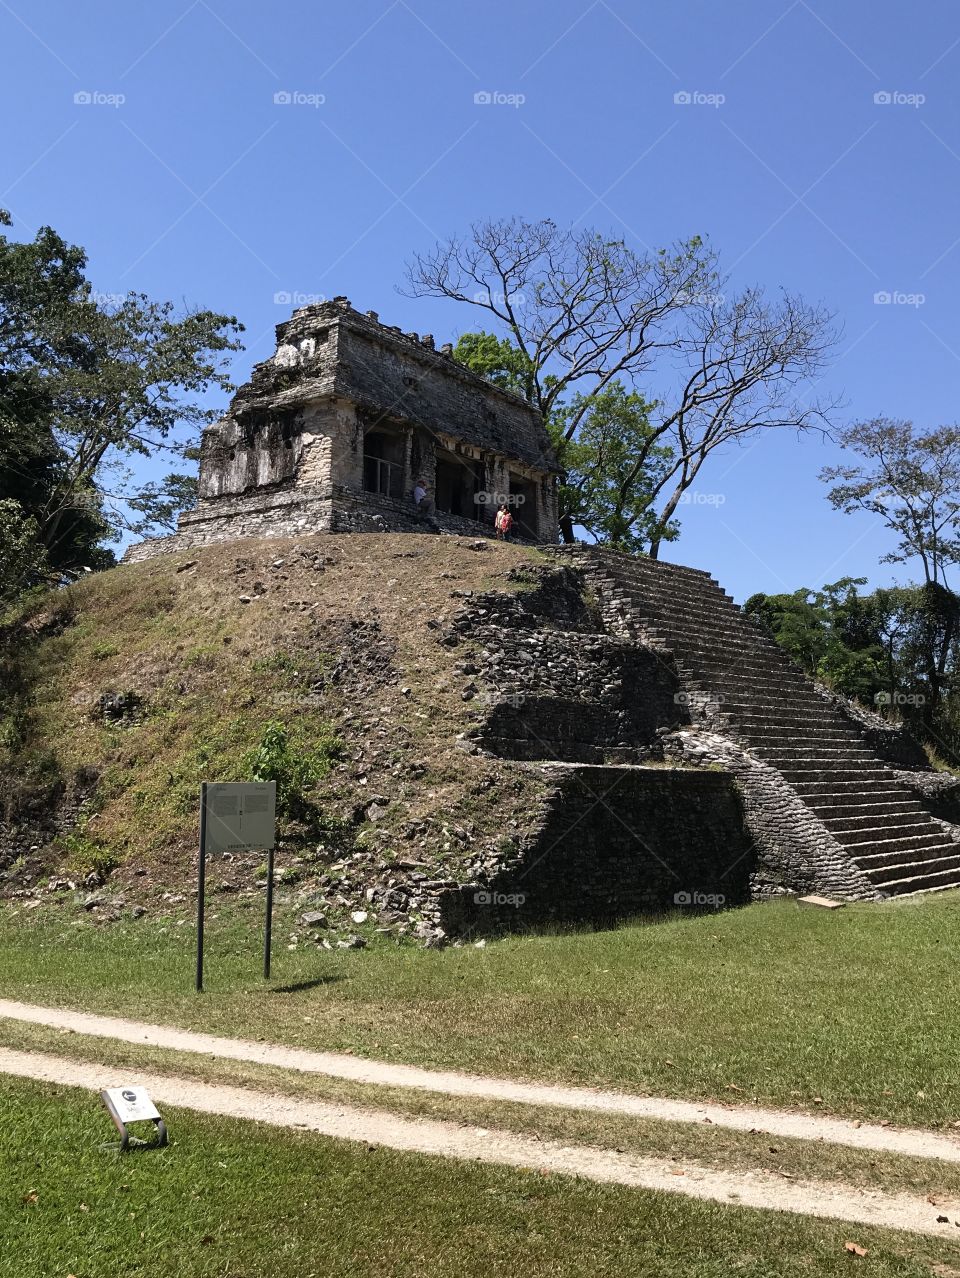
131 1104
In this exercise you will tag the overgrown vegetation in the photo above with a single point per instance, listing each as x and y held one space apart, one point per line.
127 690
897 649
296 768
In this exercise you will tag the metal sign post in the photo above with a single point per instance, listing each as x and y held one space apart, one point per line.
201 884
268 923
236 817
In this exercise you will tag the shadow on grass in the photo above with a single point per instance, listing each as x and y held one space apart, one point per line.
560 928
299 986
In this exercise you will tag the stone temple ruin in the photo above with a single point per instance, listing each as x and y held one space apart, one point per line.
612 664
333 433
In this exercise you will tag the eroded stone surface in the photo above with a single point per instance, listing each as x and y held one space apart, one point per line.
333 433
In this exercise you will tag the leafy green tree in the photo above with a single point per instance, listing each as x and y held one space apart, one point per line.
911 479
86 388
611 469
499 361
20 552
832 633
897 649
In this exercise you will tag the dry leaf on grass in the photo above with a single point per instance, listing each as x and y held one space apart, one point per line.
855 1249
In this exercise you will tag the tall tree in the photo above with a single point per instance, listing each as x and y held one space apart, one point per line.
583 312
85 388
911 480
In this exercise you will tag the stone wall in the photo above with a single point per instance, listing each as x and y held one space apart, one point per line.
795 852
298 512
553 686
279 513
939 792
616 842
888 739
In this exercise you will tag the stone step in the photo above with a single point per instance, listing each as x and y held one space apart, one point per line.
744 675
818 714
665 592
706 634
800 756
759 724
812 776
747 699
871 821
827 800
661 572
922 880
830 740
889 839
834 784
657 607
882 861
816 735
949 886
725 622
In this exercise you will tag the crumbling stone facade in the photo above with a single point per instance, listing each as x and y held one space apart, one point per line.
334 432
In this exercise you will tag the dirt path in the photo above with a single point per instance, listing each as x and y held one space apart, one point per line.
450 1140
910 1141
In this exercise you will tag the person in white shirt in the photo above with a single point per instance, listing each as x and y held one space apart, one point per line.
424 504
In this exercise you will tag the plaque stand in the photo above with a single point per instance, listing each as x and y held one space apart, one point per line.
121 1125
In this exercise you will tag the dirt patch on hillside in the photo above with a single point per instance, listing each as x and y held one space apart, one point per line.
148 679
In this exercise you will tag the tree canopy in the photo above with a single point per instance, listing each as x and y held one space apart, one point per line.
581 315
85 390
896 649
911 480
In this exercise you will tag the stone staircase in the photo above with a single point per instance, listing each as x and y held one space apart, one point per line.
755 695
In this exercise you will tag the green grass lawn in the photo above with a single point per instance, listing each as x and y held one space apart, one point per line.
851 1011
236 1200
709 1144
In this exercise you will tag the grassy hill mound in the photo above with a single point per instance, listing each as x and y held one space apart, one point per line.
320 661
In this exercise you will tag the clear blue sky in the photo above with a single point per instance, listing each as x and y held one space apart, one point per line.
199 188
